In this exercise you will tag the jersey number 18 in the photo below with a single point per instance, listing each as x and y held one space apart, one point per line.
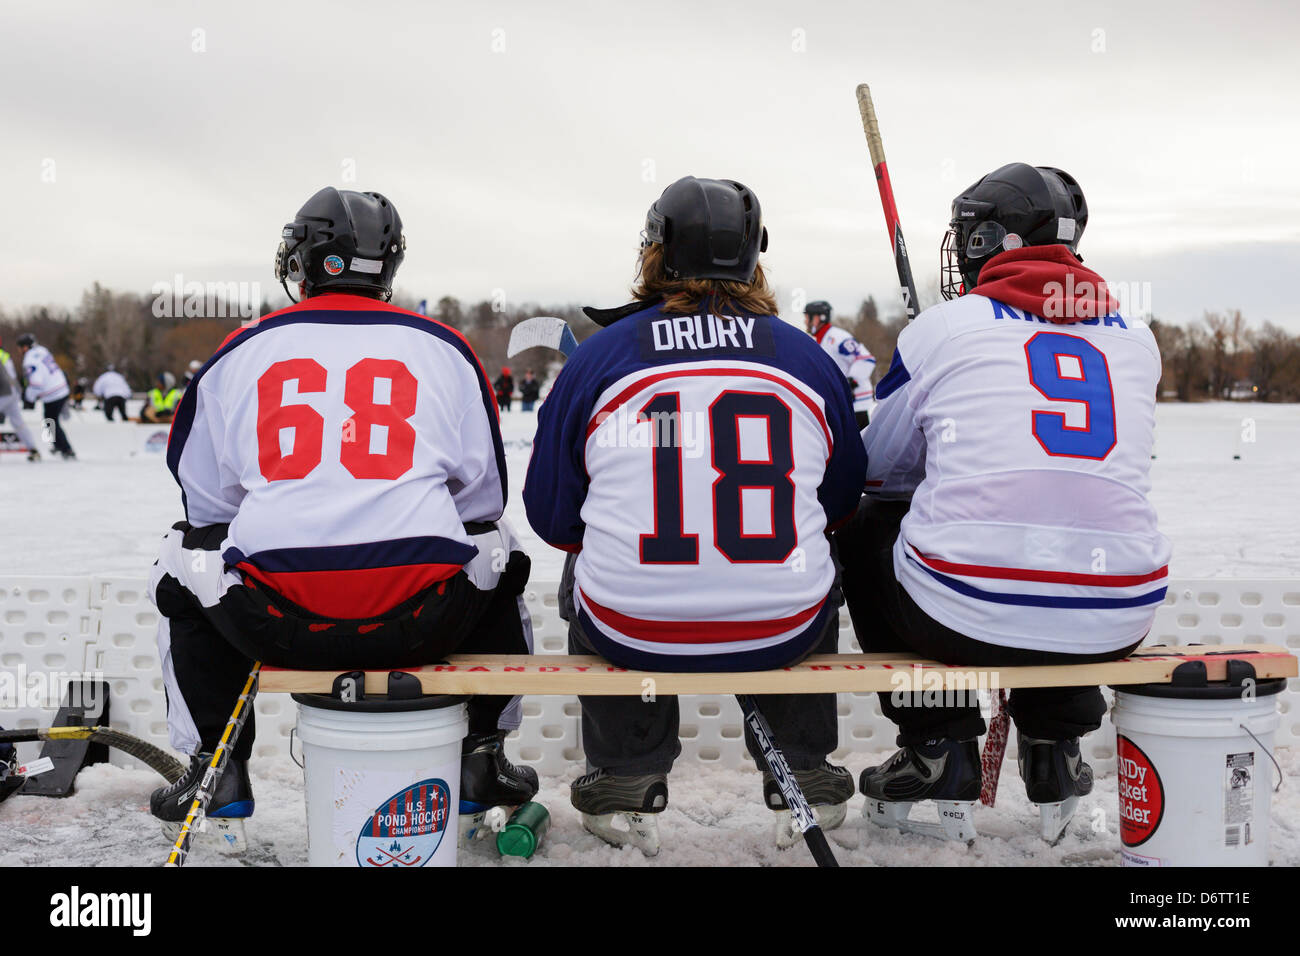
669 543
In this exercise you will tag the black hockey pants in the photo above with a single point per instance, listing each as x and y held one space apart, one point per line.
628 736
209 640
886 618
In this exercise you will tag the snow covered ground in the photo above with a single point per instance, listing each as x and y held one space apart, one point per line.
104 513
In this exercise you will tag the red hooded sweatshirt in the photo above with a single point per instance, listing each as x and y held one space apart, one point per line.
1048 281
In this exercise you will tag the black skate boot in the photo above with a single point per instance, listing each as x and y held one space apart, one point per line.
826 788
489 784
1055 777
943 770
231 804
631 802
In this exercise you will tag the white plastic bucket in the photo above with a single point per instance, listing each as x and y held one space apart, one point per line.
383 780
1194 784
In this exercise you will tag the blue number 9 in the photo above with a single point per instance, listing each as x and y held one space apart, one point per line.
1067 368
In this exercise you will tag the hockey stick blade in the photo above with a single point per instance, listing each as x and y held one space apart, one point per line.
543 331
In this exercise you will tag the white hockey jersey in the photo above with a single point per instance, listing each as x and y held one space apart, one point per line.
1025 448
695 463
45 380
346 442
855 361
111 385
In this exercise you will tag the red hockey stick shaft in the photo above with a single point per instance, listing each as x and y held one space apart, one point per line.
907 285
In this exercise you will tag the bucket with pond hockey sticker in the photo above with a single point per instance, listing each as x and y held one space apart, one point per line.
1196 770
382 775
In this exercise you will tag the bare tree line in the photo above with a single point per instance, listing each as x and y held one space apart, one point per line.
1219 356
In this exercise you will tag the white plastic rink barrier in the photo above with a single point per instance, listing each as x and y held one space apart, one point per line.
77 627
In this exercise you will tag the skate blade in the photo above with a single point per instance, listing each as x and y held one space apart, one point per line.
482 824
225 835
829 817
956 818
640 830
1053 818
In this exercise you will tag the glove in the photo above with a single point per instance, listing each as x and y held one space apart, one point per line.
853 383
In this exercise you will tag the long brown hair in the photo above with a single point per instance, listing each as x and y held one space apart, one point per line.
687 296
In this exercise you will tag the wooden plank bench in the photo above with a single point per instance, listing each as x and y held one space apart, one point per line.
820 673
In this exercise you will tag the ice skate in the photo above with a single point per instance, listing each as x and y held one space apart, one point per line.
1055 777
222 827
944 771
490 785
826 788
622 810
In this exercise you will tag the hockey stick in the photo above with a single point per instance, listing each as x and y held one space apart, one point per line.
800 812
147 753
208 785
545 331
872 128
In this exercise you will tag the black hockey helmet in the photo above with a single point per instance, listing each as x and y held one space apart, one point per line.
816 314
26 340
709 228
342 241
1014 206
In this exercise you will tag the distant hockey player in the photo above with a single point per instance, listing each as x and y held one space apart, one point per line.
11 406
504 386
693 454
1007 520
112 390
160 404
854 359
46 384
343 479
529 390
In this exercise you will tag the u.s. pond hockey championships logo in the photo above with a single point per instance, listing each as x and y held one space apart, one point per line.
407 828
333 265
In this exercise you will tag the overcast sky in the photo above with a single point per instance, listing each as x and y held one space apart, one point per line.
522 142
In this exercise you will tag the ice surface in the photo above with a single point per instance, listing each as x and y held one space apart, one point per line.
105 512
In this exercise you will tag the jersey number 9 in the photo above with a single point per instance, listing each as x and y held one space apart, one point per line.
1067 368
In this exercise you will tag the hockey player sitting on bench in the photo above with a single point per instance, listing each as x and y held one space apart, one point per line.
693 453
343 480
1006 520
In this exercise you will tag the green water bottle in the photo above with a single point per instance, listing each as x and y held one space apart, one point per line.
524 830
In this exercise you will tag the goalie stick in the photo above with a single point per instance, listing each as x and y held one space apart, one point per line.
871 128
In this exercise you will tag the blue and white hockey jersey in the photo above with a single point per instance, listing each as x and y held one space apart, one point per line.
854 359
1025 448
696 463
